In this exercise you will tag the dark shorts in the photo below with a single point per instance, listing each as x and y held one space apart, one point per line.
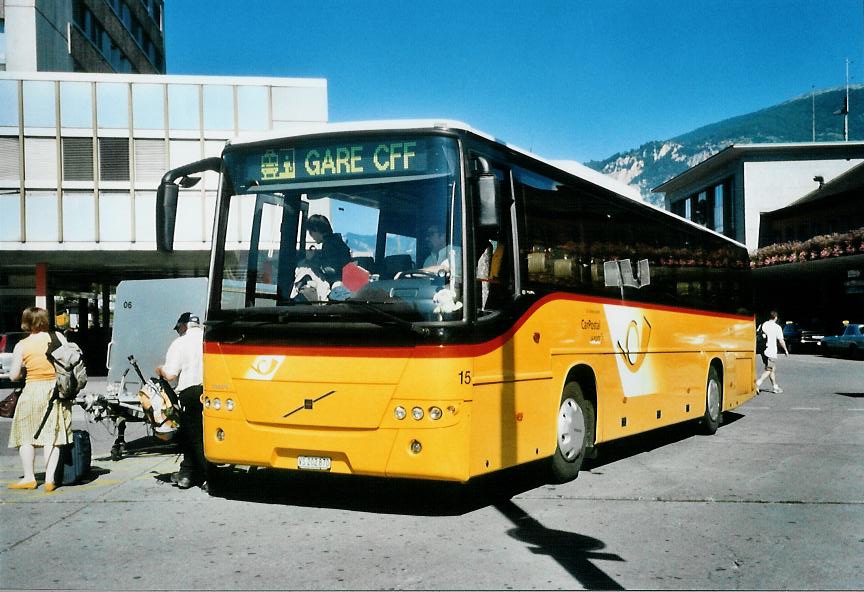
770 363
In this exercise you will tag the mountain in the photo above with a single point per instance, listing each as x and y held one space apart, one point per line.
654 163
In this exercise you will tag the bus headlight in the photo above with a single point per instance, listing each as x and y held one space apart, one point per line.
400 412
220 434
416 446
229 404
207 402
417 413
217 404
435 413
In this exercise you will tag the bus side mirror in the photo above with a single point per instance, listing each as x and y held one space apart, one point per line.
166 216
488 198
487 192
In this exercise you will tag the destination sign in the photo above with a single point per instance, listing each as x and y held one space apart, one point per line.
343 160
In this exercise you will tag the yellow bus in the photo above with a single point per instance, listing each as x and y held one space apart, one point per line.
497 309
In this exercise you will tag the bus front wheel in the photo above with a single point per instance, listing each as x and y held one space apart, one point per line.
713 403
574 433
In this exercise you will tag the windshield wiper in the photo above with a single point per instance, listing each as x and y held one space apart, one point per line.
397 320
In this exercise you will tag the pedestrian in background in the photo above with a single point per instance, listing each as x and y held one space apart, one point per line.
184 362
773 337
30 354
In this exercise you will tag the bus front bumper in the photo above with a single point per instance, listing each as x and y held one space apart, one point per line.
440 453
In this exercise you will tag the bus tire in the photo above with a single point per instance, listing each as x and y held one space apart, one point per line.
713 416
574 433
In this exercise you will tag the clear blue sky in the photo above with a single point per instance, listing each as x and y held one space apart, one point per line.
570 79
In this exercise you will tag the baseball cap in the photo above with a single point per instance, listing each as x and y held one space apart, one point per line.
187 318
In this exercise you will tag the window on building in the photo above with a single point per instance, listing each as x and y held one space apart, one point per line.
218 107
40 161
76 104
718 208
79 216
9 103
190 216
149 161
183 106
252 109
39 104
701 213
114 159
148 106
688 208
112 105
298 104
145 216
77 159
10 215
9 168
40 209
115 216
184 152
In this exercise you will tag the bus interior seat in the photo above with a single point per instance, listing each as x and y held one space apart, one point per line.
393 264
367 263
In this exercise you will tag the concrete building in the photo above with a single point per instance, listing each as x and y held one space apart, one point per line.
81 156
82 36
728 191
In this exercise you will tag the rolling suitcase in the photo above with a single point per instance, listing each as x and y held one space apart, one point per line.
74 464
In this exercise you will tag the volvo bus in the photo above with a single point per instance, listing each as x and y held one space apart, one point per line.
497 309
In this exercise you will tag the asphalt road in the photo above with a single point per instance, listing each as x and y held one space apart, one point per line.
775 500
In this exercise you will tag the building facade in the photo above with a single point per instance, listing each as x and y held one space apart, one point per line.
799 208
81 156
728 191
125 36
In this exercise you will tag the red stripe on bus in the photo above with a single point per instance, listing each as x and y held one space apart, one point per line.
444 350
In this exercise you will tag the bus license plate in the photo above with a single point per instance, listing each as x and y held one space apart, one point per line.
313 463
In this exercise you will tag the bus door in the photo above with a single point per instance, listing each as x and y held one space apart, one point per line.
494 245
278 233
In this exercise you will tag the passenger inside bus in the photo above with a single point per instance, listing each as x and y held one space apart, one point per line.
329 260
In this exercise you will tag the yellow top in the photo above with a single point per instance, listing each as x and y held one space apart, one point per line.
33 357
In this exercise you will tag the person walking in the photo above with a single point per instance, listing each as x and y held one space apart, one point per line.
184 362
773 337
30 355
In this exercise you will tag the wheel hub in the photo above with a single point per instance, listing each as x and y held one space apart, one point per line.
571 429
713 399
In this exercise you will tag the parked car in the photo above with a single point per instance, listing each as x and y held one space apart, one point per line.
7 344
792 335
850 342
800 339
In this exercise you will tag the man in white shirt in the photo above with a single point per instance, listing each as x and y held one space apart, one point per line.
184 363
773 336
439 252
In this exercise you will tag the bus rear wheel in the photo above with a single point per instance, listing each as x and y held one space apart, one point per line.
713 403
574 434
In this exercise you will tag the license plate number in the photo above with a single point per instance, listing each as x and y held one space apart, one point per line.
313 463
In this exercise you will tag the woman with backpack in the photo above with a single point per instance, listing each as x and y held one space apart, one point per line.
30 354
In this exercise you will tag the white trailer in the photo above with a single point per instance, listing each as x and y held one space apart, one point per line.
145 312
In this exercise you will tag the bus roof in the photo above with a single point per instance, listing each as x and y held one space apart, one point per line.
570 167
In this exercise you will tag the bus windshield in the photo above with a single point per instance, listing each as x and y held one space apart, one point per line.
368 228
